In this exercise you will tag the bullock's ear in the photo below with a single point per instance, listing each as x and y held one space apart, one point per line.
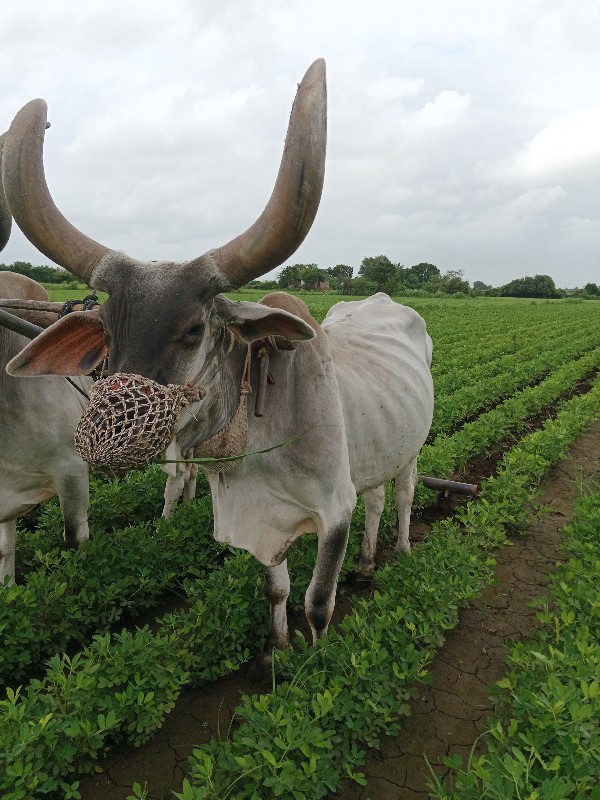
72 346
252 321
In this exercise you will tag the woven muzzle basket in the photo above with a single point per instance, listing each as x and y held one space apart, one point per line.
129 421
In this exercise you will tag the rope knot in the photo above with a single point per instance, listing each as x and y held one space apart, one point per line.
193 394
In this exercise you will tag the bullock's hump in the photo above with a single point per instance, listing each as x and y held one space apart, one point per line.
378 313
14 286
287 302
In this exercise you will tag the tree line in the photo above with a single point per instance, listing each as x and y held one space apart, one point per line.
40 274
375 274
380 274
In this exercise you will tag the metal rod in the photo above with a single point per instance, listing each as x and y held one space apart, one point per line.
441 485
43 318
19 325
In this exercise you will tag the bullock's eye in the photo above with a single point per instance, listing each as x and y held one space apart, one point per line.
193 334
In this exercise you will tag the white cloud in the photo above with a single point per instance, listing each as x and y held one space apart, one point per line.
566 148
448 109
388 89
580 229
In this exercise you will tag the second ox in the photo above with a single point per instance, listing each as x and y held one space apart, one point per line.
356 391
37 421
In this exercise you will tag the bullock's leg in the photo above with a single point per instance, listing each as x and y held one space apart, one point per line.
173 489
189 486
181 481
74 497
404 490
320 596
277 590
8 535
374 502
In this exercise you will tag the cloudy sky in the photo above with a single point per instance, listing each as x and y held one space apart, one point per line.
463 133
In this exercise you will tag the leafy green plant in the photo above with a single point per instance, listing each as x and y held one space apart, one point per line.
373 651
354 684
545 743
73 594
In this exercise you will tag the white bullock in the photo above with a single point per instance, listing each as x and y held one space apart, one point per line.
357 389
38 459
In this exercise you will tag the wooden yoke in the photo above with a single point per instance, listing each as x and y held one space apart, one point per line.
18 325
40 312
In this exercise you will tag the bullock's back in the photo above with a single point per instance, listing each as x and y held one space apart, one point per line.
382 354
383 328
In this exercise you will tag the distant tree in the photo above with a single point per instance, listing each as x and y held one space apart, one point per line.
313 276
453 281
340 277
591 288
290 277
538 286
419 274
307 276
340 271
362 286
379 270
479 287
262 285
42 274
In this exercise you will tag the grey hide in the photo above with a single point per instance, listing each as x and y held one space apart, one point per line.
37 420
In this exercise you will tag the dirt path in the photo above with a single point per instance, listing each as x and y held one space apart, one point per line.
450 714
446 718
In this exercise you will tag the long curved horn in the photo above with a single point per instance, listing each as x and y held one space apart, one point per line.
5 215
30 202
275 235
291 210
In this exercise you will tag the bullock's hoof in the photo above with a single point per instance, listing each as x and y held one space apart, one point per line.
363 579
365 572
261 669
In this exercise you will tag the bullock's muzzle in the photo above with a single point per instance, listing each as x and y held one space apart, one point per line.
129 421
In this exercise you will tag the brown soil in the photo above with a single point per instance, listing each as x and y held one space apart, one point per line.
447 716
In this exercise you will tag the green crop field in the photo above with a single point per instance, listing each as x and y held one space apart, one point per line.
517 379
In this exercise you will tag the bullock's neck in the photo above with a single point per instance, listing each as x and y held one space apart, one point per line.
204 419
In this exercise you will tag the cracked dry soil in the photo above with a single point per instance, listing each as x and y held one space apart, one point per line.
447 717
